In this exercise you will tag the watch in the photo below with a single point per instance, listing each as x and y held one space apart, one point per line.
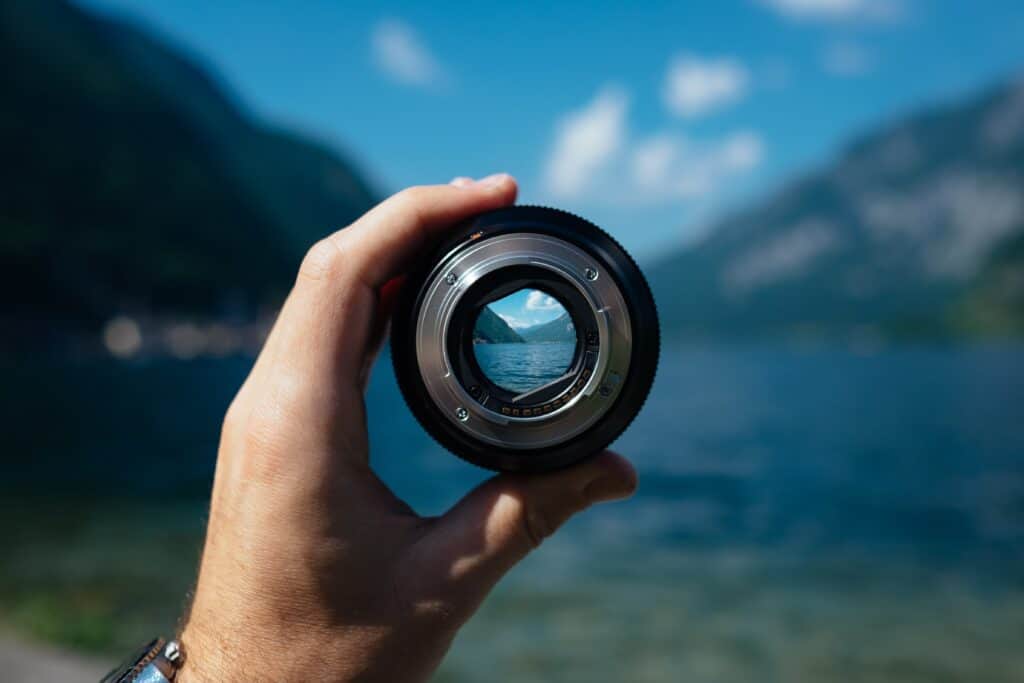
158 661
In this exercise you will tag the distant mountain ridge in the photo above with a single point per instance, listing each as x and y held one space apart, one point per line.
490 328
915 231
558 330
132 182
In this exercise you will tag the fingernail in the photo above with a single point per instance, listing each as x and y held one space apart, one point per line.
493 180
462 181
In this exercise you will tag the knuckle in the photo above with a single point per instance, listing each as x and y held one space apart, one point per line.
431 603
527 519
438 612
535 525
322 261
537 518
264 448
413 195
409 202
233 416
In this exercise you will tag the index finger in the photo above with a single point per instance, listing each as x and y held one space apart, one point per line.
325 327
378 246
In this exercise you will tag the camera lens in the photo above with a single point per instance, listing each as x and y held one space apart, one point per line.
528 341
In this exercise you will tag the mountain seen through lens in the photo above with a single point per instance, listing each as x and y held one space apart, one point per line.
524 340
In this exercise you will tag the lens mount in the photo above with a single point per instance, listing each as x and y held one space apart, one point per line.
565 419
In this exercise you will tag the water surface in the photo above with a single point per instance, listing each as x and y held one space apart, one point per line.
522 367
812 515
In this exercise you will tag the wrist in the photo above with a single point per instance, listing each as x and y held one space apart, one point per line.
217 652
205 661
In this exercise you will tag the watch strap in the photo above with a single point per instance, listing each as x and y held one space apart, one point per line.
156 662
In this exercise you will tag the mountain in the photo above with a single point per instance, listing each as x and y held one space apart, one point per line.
492 329
916 230
133 181
558 330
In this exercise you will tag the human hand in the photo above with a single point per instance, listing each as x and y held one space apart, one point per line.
313 569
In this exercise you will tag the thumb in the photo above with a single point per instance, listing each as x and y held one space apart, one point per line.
501 521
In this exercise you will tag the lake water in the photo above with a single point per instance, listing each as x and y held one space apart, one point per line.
803 515
521 367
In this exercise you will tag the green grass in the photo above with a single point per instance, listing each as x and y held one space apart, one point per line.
96 576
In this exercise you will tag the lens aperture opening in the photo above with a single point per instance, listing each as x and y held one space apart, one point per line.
524 341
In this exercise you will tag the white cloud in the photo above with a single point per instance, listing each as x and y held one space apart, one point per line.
539 301
653 158
696 86
668 167
400 53
838 10
847 59
595 157
740 151
586 141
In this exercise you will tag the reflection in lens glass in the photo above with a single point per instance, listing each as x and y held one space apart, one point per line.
524 340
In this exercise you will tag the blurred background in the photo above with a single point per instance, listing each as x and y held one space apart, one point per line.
827 197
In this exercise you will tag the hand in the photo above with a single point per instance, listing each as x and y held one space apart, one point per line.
313 569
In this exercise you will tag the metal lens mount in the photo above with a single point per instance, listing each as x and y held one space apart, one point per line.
566 419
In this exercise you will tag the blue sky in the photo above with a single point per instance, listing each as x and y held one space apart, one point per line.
651 120
527 307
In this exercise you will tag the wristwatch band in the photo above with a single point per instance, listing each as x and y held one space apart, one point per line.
157 662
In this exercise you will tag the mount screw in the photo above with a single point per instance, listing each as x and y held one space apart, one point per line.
590 274
450 278
462 414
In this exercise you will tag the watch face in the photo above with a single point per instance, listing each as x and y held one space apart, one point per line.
124 672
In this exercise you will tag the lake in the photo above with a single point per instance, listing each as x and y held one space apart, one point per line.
803 515
521 367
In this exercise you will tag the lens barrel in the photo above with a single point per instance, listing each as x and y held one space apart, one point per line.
600 385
